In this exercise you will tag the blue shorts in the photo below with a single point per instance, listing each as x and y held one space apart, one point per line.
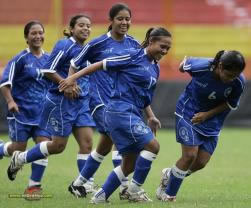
187 136
60 115
98 117
19 132
127 130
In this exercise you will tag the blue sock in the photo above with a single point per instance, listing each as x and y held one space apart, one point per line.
81 160
143 166
175 180
37 171
4 149
113 181
91 165
116 158
39 151
1 150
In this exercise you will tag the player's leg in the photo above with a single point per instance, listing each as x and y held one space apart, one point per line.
34 189
142 168
115 178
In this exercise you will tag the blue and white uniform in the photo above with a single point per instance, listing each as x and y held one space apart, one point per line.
60 114
203 93
28 90
136 77
101 82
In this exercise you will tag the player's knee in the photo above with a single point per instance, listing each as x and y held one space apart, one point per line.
153 146
57 148
189 157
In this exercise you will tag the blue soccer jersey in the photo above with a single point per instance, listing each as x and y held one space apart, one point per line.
59 61
101 82
205 92
136 77
28 89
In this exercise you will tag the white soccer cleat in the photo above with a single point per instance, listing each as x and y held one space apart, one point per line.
15 166
99 197
90 187
139 196
123 193
163 182
166 198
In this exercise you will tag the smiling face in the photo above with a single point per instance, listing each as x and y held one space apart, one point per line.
81 30
35 36
159 47
121 23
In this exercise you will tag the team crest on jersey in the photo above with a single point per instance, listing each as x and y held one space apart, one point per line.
228 91
141 128
54 124
183 133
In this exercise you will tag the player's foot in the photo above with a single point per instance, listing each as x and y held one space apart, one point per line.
166 198
123 193
33 193
163 182
15 166
77 191
139 196
90 187
99 197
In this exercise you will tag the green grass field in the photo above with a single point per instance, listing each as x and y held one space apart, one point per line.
224 183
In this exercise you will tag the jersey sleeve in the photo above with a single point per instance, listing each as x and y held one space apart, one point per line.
116 63
56 55
234 97
10 70
195 65
79 61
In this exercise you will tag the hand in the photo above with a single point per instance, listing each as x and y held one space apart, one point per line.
72 92
12 107
63 84
154 124
199 117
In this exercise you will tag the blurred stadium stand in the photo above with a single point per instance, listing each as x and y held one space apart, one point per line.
199 28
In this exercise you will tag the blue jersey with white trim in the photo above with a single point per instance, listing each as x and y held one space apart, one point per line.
205 92
101 82
28 89
59 61
136 78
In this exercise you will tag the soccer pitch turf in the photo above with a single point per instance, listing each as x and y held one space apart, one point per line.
224 183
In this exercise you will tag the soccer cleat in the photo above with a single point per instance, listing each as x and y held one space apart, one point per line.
163 182
139 196
166 198
123 193
90 187
14 166
99 197
33 193
77 191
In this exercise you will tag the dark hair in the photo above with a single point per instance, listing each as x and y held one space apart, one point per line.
115 9
28 26
230 60
73 22
154 34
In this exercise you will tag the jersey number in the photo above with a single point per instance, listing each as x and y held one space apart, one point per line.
212 96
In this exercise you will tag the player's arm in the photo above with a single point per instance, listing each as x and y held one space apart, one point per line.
12 106
203 116
152 120
181 66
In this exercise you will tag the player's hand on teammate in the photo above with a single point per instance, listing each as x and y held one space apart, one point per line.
154 124
65 83
199 117
13 107
72 92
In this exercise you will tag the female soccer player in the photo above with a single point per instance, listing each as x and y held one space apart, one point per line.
114 43
24 91
136 75
214 91
65 114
